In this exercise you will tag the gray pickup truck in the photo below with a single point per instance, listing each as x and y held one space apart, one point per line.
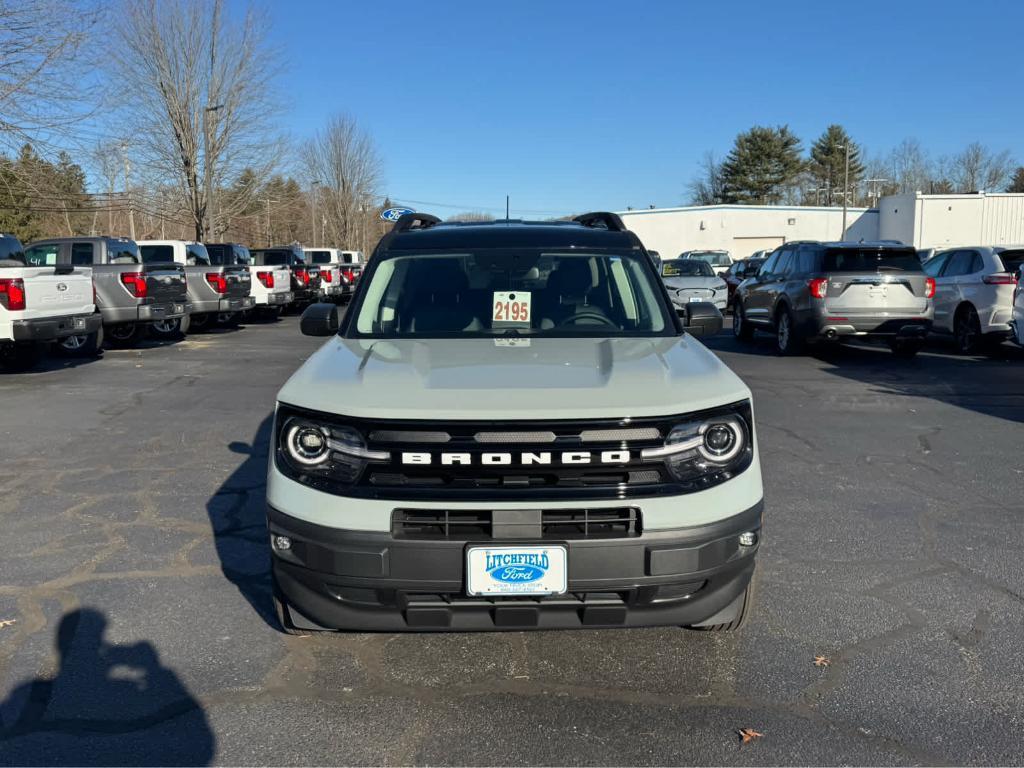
130 295
217 292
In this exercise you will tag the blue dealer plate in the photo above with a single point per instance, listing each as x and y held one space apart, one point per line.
516 570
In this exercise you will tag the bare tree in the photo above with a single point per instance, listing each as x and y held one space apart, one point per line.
344 162
978 168
198 82
707 188
44 72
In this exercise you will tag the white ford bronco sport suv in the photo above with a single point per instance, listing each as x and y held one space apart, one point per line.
511 428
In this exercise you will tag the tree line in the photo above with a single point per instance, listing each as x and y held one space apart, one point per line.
174 107
767 166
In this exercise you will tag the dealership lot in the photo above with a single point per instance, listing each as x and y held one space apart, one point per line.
136 624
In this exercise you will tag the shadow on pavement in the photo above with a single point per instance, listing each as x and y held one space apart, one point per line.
108 704
238 518
989 384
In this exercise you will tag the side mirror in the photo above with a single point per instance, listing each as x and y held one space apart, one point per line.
319 320
701 318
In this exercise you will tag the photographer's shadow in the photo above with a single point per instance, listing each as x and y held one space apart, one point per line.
108 704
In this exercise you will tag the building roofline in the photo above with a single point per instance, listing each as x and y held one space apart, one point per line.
736 207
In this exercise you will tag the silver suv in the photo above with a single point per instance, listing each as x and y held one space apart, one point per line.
974 294
833 291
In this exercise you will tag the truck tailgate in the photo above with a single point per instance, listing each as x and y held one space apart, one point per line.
239 281
51 292
165 282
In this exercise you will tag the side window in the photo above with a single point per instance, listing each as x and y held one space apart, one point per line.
977 264
785 264
805 261
769 266
242 256
81 254
959 264
42 255
933 267
194 258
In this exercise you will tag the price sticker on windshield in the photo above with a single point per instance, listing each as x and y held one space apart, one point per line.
511 309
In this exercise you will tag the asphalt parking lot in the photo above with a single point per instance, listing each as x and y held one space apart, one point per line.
136 625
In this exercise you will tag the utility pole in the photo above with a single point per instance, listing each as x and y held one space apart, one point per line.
128 190
207 172
314 187
846 185
268 201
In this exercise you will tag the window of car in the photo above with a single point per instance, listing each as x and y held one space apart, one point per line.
512 292
870 260
123 252
769 266
784 265
686 268
806 261
157 254
196 255
960 263
318 257
242 255
1012 259
933 267
81 254
41 255
10 248
714 258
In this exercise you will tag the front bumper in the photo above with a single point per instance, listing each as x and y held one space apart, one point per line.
52 328
333 578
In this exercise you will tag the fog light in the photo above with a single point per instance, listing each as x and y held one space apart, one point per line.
283 543
748 539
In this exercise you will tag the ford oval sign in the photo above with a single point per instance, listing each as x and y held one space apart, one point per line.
394 214
517 568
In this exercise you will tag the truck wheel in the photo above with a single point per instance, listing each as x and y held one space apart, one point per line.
743 606
200 321
167 329
787 338
741 329
126 335
89 345
21 356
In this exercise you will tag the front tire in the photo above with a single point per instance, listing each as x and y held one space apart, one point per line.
741 329
743 607
126 335
284 618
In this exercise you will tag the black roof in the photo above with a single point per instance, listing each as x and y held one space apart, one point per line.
506 233
852 243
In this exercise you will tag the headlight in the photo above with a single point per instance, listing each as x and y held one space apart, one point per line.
710 449
312 450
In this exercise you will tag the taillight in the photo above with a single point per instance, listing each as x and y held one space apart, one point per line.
326 276
1000 278
818 286
348 274
218 281
12 293
136 283
929 287
267 278
302 276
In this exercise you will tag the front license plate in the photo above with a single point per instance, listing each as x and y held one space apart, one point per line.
697 298
516 570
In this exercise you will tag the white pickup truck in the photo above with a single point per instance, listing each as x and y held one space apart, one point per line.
39 305
269 286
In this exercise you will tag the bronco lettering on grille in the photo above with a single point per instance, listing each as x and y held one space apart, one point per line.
522 459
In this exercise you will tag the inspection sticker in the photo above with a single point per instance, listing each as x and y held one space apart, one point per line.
511 309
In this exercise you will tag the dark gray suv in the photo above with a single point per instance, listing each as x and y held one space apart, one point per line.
832 291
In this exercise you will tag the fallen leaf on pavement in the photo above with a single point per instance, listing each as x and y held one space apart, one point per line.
749 734
822 661
7 622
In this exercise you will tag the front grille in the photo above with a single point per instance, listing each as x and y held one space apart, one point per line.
552 524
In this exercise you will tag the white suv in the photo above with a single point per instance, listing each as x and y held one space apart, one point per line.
974 294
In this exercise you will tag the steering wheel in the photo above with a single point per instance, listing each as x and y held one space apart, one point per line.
588 314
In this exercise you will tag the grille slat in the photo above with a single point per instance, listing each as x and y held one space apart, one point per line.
556 524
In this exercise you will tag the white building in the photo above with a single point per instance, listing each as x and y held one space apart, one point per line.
923 221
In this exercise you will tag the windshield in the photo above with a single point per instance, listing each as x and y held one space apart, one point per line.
871 260
512 292
686 268
714 258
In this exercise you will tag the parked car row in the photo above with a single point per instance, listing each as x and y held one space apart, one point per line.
84 292
814 291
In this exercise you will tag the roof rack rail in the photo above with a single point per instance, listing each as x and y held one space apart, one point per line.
598 219
408 221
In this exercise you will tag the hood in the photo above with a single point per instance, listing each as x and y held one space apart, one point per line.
535 379
675 283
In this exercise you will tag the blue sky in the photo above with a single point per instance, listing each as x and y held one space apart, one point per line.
571 106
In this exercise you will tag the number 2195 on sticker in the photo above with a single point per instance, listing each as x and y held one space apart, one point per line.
511 308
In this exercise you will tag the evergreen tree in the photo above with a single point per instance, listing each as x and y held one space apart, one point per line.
827 165
1017 182
761 165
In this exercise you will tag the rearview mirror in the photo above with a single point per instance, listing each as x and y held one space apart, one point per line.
701 318
319 319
